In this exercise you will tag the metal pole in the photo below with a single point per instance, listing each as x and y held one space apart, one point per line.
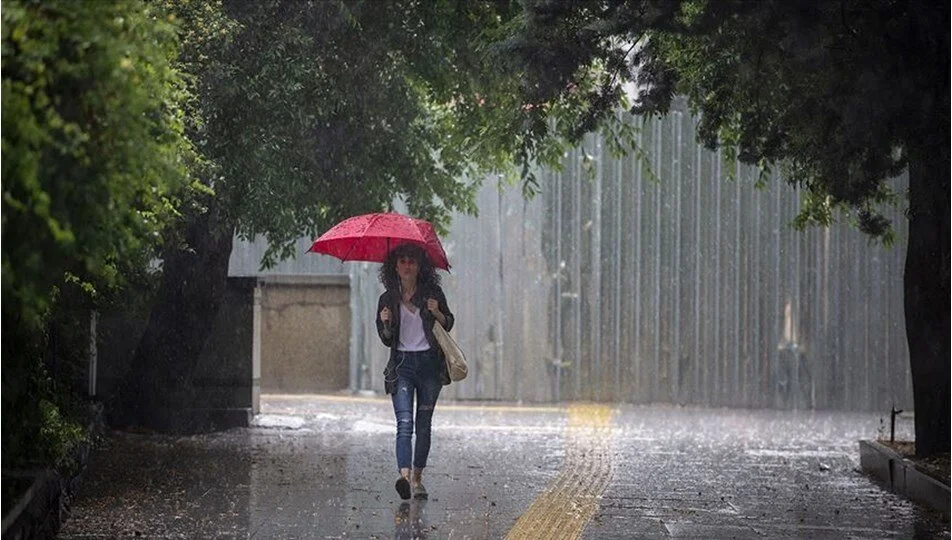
500 301
738 391
699 356
756 390
778 305
718 358
617 293
657 270
560 264
639 179
577 259
676 271
93 353
358 375
596 254
795 310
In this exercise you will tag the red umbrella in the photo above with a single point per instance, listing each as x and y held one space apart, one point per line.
370 237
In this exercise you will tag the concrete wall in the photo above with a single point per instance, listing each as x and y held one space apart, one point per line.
224 377
305 333
225 383
117 335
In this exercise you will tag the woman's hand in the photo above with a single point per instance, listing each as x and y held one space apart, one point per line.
434 306
385 315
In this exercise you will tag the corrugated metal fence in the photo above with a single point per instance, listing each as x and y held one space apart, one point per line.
681 286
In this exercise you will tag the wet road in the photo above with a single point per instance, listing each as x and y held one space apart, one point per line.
323 467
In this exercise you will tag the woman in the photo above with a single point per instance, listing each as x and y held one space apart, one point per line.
406 312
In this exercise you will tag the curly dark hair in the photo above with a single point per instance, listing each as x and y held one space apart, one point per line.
388 272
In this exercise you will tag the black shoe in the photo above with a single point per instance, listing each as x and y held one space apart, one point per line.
403 488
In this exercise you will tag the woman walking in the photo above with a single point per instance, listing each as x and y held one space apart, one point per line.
406 312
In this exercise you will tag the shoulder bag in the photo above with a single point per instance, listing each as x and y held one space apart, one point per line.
455 360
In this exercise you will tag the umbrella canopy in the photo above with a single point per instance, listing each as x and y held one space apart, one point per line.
371 237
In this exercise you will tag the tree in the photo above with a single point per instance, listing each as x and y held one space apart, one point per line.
306 113
93 160
843 95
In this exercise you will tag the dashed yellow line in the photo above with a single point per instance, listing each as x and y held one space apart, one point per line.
565 507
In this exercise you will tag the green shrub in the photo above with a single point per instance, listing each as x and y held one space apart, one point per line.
94 161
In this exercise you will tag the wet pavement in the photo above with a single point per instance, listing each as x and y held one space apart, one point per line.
323 467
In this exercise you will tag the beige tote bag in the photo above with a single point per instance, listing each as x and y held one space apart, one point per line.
455 360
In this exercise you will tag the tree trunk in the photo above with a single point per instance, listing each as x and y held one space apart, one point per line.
926 289
194 282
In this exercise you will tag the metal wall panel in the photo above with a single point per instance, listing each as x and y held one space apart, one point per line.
683 285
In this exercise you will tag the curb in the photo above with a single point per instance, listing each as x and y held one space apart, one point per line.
901 476
37 513
45 505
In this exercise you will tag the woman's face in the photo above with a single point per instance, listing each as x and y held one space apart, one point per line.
407 268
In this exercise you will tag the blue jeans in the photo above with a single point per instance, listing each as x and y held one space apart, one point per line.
417 375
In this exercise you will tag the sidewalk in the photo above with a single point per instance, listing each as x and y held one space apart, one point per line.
323 467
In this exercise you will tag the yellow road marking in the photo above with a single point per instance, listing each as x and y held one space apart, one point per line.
570 501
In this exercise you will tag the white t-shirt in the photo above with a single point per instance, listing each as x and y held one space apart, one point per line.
412 337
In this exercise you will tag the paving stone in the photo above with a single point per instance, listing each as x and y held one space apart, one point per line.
323 467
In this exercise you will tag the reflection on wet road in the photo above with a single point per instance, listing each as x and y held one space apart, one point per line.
323 467
409 520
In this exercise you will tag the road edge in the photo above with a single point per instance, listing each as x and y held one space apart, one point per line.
900 476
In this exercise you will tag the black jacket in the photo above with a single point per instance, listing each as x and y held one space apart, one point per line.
391 337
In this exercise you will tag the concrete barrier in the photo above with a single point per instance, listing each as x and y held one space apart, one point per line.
901 476
305 333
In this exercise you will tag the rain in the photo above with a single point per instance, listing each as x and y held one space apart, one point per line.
679 243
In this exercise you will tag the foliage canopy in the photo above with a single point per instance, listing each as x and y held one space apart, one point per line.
93 151
315 111
839 93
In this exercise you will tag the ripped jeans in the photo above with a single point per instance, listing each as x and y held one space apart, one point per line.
417 375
